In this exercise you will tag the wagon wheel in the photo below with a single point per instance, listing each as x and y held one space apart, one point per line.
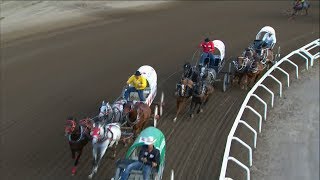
226 81
277 56
156 116
161 104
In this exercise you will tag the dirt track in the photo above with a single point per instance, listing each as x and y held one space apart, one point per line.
48 78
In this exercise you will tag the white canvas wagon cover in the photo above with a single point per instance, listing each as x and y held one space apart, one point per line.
266 29
150 74
220 46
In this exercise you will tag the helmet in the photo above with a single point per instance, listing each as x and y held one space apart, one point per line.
207 40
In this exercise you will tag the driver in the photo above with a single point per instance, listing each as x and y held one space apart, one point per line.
207 50
149 157
139 84
269 39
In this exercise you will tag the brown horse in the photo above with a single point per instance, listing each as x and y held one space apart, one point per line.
241 65
78 136
136 116
266 56
200 96
183 93
254 72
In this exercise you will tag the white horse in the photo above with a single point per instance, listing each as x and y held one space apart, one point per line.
103 136
112 113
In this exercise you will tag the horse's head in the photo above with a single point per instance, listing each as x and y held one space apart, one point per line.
203 72
132 111
105 110
97 131
249 52
70 126
187 69
183 88
128 107
241 63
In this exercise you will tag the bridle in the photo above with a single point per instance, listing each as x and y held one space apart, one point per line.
126 115
72 131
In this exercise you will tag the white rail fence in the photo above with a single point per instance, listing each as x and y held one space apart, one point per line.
303 52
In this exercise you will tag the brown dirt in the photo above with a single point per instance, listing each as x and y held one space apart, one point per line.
47 78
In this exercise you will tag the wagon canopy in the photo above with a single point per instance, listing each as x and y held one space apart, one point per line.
160 142
221 47
266 29
150 74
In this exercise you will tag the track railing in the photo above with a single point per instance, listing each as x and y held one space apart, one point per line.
303 52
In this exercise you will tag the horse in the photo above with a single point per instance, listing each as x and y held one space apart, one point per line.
136 115
207 72
264 54
241 65
254 72
184 88
112 113
78 137
183 93
298 6
200 96
190 72
103 136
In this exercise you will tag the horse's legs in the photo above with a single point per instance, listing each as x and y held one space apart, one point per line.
114 149
242 81
192 106
179 104
74 168
135 131
94 162
206 101
258 76
73 153
199 106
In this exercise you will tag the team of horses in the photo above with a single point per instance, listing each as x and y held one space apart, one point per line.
195 89
105 130
192 86
249 67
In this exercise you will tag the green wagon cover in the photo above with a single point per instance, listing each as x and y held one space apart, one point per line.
160 143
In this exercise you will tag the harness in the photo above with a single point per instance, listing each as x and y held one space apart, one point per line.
105 136
243 67
128 119
79 139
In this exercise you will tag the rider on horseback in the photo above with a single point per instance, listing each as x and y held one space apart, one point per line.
208 49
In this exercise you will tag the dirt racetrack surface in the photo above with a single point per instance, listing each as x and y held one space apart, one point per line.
47 77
